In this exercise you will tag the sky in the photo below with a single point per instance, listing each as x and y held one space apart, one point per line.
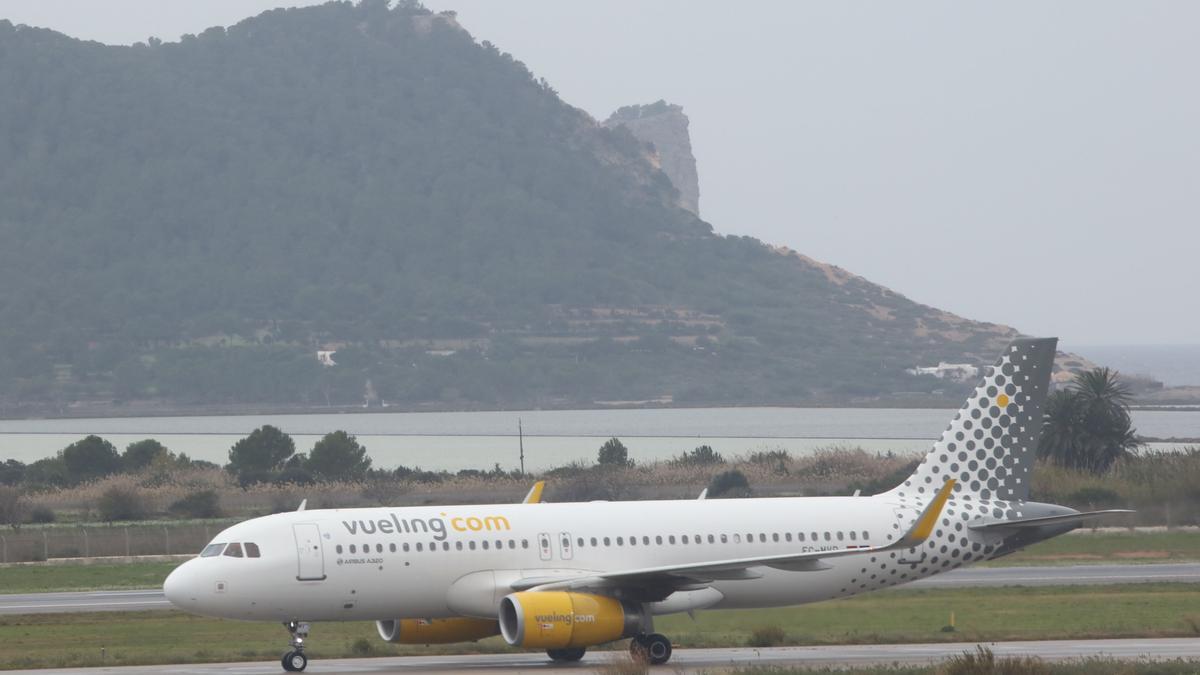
1028 163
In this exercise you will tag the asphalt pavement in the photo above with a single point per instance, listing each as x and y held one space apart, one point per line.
692 660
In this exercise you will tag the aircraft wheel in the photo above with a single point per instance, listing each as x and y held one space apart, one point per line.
566 655
294 662
658 649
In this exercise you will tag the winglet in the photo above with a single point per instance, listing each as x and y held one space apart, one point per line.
921 529
535 493
703 494
303 504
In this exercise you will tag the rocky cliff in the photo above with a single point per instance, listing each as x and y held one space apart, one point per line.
664 126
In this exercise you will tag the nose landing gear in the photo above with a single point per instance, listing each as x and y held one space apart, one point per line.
294 660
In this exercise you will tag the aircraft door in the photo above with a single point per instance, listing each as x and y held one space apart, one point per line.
308 552
545 551
564 546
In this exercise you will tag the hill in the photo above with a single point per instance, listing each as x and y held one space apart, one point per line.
189 223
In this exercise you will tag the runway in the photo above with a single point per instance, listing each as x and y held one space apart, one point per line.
971 577
691 660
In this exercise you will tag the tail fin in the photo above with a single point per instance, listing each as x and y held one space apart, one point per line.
990 446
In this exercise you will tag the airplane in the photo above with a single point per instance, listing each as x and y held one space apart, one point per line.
563 577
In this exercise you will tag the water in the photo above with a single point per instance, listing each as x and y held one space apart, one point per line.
478 440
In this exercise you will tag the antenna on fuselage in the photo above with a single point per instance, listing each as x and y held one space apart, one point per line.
303 504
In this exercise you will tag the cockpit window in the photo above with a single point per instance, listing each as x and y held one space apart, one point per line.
234 550
252 550
212 550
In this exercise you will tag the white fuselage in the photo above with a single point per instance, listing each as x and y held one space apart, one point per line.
428 562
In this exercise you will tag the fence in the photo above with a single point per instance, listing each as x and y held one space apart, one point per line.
33 543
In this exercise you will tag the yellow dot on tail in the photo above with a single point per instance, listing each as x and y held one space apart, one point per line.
1002 400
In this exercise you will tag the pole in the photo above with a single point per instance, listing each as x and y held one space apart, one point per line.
521 442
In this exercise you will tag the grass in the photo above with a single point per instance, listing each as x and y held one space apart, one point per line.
970 665
1109 547
117 639
47 578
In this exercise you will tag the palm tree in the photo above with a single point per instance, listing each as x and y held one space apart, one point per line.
1087 426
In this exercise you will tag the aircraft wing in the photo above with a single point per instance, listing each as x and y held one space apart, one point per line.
689 574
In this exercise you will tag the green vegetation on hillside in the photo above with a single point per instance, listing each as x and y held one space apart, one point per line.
191 222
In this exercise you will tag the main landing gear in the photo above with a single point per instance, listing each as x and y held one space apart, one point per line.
654 649
569 655
294 660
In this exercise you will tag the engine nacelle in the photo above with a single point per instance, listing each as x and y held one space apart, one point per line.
435 631
558 619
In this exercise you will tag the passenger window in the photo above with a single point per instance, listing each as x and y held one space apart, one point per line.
445 546
684 539
737 538
353 549
392 548
252 550
339 548
594 542
485 544
799 536
234 550
212 550
815 537
853 535
724 539
419 549
827 537
620 541
645 541
579 542
471 545
762 537
711 539
775 536
787 536
633 541
671 539
658 539
865 535
839 535
406 548
607 542
379 548
499 544
458 545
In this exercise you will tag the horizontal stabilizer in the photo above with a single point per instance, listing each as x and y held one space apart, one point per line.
1019 523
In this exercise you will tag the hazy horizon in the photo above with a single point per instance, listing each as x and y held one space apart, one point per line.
1026 164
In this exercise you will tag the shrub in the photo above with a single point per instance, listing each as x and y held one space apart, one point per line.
362 647
121 502
766 636
1095 497
730 483
13 507
202 504
42 515
983 661
701 456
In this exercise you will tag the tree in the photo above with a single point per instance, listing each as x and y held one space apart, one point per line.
90 458
1088 426
338 456
255 457
613 454
141 454
12 472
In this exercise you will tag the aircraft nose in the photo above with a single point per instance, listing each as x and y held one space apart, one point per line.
180 586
